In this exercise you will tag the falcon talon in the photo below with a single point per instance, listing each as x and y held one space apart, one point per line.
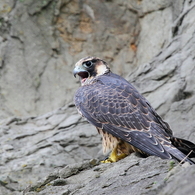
105 158
107 161
124 118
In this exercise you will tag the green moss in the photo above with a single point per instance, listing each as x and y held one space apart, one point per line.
171 165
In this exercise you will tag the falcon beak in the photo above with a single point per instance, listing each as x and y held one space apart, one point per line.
75 72
78 70
83 74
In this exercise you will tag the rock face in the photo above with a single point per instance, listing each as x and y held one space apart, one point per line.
151 43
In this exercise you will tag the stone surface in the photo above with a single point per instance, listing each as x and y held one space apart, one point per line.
44 152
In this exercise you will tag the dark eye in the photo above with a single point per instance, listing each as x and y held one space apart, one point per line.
88 63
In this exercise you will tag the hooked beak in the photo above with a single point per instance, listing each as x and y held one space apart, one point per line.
78 70
83 74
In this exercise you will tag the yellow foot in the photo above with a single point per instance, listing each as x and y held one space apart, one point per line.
108 160
114 157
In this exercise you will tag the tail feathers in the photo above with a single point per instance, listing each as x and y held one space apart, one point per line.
177 154
184 146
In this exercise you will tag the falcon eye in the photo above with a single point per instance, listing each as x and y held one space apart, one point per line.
88 64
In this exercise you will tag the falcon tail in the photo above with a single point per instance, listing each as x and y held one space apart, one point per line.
184 146
181 150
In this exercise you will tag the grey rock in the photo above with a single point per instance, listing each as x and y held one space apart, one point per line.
182 178
73 169
71 120
132 175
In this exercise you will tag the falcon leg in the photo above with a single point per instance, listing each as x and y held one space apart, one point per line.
114 157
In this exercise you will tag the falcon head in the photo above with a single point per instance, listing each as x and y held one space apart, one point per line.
90 67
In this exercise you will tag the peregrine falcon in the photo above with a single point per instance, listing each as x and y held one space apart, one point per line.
124 118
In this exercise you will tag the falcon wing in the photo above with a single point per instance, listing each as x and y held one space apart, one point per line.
114 105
